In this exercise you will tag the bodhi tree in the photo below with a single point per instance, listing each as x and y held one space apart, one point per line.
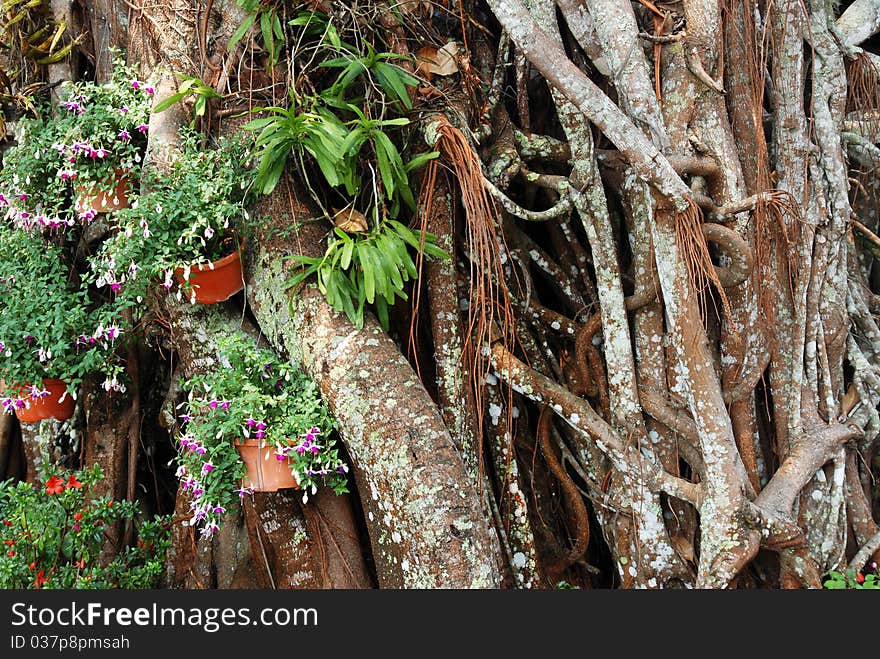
588 286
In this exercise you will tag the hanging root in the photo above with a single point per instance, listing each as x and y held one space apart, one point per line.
863 85
490 304
695 251
737 250
572 493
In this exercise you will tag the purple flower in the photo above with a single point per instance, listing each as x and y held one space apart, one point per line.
259 434
135 84
210 528
261 426
149 89
124 135
72 106
123 110
201 450
219 510
250 422
143 128
207 468
115 286
244 490
213 404
185 417
225 404
77 526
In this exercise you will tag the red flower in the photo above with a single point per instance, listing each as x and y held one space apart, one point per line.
9 543
54 485
40 580
6 522
81 563
10 553
860 577
32 566
72 482
109 504
78 516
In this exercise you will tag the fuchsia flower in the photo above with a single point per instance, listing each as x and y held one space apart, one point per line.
135 84
149 90
143 128
207 468
124 135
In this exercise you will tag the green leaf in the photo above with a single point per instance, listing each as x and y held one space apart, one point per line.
420 160
240 31
363 250
163 105
382 314
347 251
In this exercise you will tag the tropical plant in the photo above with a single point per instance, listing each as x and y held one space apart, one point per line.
187 216
252 395
49 326
34 192
52 533
266 14
191 86
851 579
104 131
369 267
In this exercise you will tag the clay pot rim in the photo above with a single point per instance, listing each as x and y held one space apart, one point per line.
219 263
43 381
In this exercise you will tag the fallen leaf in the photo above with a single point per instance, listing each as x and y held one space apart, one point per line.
441 62
350 220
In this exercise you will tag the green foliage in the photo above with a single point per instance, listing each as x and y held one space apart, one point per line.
104 129
52 533
252 394
186 217
852 579
190 86
370 267
266 15
48 325
334 125
37 163
316 131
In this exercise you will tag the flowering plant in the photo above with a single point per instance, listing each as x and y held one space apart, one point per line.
34 192
185 217
104 129
49 328
255 395
851 579
52 534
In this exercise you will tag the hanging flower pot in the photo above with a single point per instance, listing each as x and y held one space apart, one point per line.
217 281
58 404
101 201
265 472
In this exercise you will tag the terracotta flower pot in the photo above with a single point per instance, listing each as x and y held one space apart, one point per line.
265 472
102 202
58 404
217 281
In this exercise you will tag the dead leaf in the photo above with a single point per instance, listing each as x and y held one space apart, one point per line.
350 220
441 62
